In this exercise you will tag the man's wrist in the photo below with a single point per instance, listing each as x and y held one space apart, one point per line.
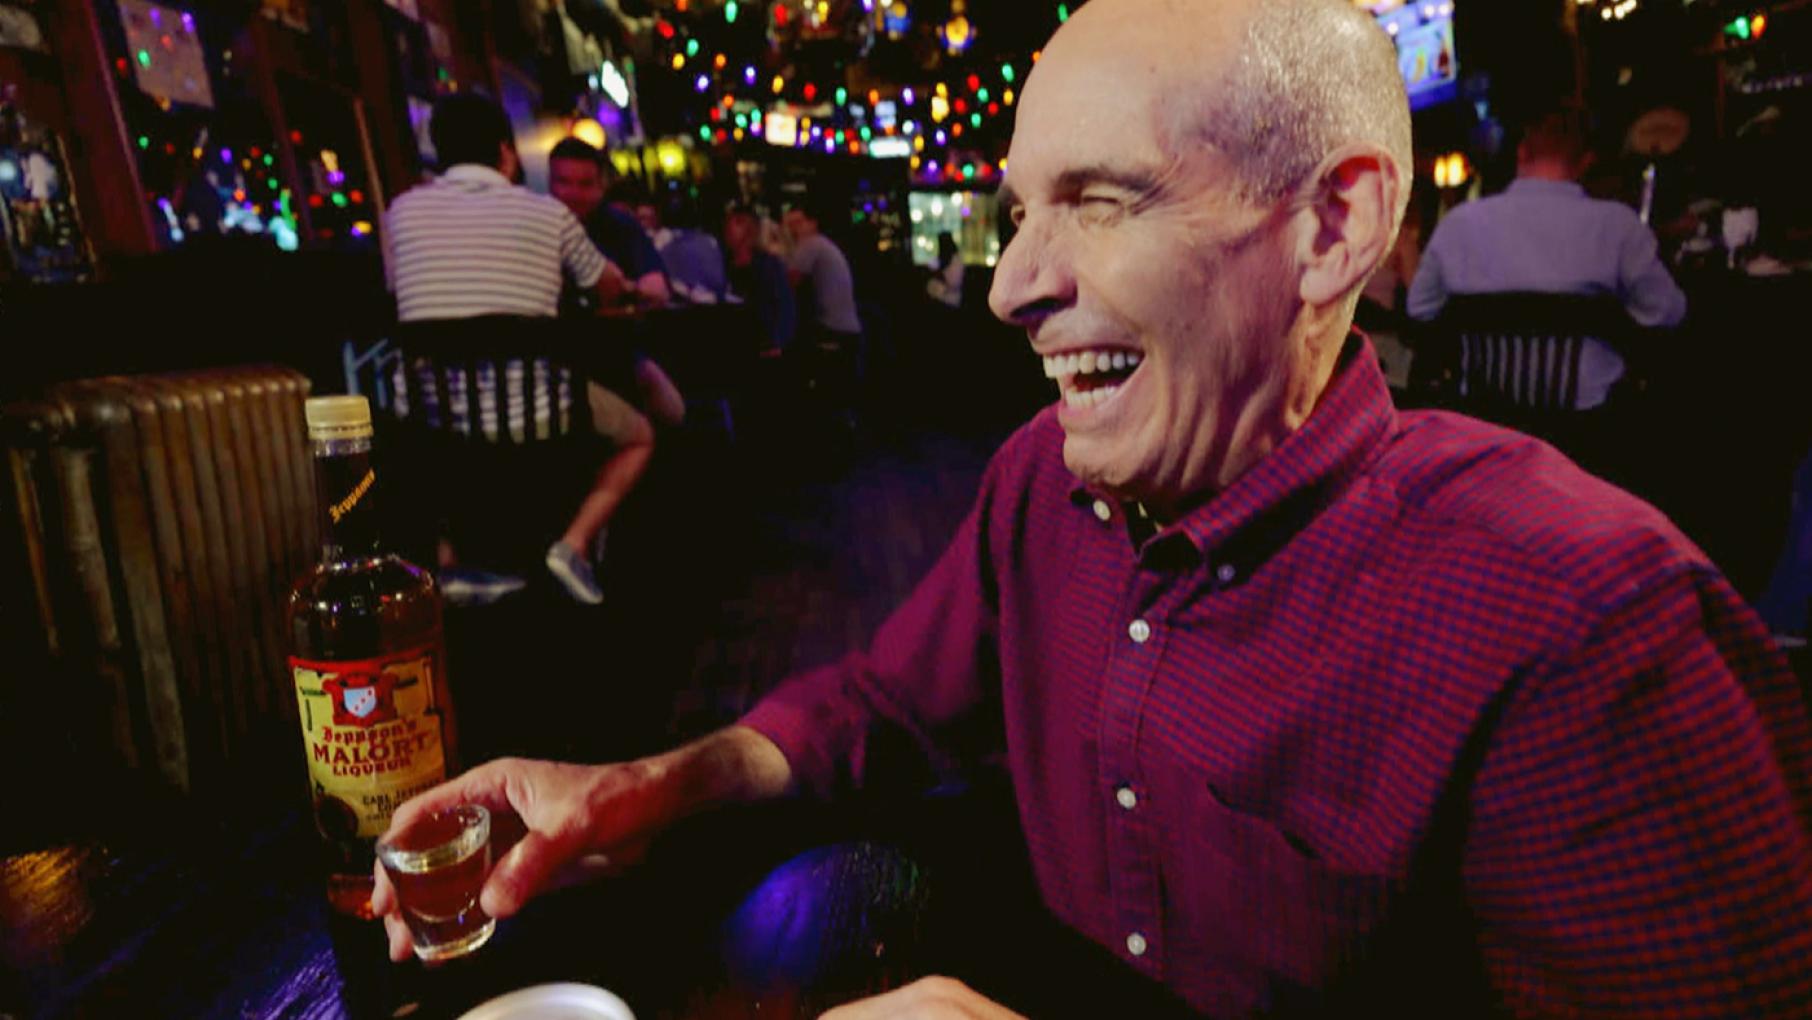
736 765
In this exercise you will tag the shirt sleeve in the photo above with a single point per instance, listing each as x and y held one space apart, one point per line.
1639 843
583 262
928 677
647 256
1428 291
1648 289
387 249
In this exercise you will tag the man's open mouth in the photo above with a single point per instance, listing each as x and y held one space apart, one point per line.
1089 378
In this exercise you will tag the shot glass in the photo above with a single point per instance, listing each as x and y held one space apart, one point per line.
438 866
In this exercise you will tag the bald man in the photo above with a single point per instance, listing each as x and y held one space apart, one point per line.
1310 706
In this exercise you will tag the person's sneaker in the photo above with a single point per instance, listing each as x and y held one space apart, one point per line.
467 587
571 570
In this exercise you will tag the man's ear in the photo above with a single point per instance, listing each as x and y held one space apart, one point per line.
1348 222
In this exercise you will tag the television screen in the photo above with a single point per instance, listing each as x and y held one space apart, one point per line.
1423 33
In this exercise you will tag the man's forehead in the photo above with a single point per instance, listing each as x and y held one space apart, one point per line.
1112 88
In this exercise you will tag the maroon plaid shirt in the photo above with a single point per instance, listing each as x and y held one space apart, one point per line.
1415 713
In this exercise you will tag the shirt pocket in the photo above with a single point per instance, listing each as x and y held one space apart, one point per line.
1280 925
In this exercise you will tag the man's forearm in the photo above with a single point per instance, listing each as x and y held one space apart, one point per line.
736 765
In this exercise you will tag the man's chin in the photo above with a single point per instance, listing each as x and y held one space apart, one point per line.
1093 465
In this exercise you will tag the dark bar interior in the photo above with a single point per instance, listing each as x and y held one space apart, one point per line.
935 508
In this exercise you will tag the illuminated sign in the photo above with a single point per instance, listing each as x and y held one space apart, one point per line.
890 148
781 128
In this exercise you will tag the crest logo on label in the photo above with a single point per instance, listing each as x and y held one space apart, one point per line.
362 699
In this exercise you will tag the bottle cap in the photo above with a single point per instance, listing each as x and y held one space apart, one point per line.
338 418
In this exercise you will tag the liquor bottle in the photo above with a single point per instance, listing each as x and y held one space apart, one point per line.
367 660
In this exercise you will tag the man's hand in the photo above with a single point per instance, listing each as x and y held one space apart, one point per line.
612 285
553 825
934 998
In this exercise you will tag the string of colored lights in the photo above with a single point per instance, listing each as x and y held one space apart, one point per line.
947 129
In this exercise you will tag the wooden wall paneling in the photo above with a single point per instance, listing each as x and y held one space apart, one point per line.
268 51
386 124
105 167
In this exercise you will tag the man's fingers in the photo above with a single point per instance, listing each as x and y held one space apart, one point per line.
527 869
383 898
398 932
487 785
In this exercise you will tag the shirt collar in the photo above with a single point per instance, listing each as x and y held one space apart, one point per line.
1539 186
475 173
1282 493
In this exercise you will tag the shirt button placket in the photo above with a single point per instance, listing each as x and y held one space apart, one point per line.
1135 944
1126 798
1139 631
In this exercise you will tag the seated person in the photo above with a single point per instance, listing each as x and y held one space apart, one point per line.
946 283
695 263
758 277
1311 706
1545 234
473 243
576 178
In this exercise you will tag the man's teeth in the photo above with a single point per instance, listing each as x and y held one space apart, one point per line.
1058 366
1090 398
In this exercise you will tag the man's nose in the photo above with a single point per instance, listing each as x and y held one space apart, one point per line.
1034 279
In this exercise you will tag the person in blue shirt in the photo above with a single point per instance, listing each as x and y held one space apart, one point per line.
1545 234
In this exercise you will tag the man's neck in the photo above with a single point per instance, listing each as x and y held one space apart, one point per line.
1545 172
1272 414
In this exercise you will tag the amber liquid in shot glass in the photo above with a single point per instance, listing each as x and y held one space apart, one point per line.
438 866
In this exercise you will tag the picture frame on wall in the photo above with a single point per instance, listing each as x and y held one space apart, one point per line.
19 30
40 232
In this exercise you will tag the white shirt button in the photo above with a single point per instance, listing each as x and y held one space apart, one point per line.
1127 798
1103 512
1135 944
1226 573
1140 631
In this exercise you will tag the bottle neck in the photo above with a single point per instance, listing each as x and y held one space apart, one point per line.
346 487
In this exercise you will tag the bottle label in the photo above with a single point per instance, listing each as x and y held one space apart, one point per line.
372 732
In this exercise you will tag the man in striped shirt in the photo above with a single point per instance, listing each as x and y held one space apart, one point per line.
474 244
